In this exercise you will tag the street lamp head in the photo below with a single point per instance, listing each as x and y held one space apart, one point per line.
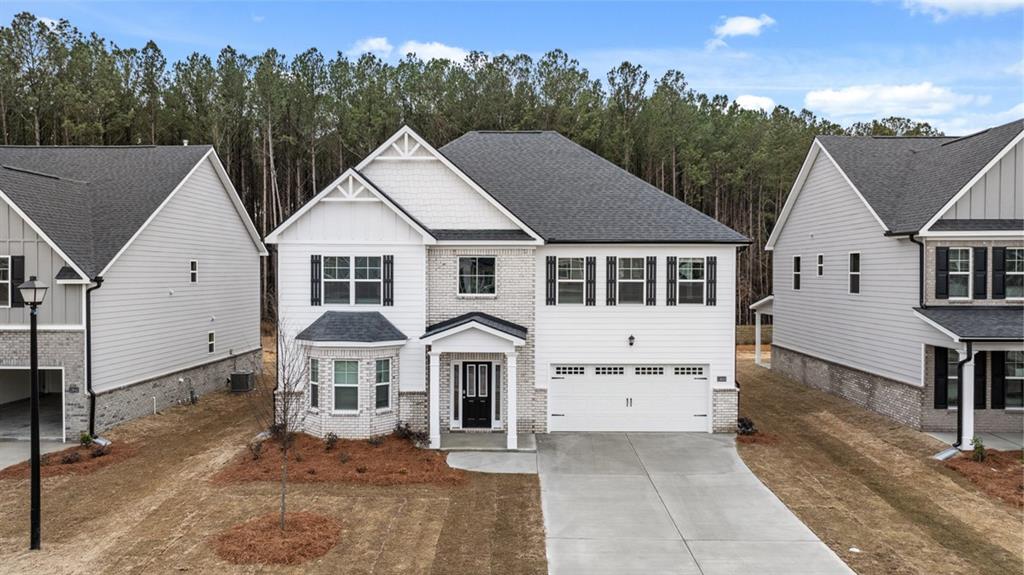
33 291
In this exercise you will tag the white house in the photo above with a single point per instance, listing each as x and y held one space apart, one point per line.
153 272
511 282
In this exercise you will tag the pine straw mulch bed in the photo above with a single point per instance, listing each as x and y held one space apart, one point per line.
75 460
261 541
758 438
390 460
1001 475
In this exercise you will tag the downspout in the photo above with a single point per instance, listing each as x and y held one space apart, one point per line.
960 394
88 354
920 272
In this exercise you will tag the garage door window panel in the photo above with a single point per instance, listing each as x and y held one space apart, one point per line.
631 280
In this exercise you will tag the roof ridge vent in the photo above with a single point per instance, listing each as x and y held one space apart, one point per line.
42 174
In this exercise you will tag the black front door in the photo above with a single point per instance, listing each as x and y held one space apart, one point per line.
476 394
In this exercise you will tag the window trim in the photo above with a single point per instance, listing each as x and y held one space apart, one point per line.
619 281
10 283
193 271
1007 273
820 261
703 281
559 281
314 383
458 276
351 280
1006 380
335 385
968 274
378 384
211 342
850 273
797 268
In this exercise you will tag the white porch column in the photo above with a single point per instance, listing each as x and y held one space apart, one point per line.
511 412
966 402
757 338
434 400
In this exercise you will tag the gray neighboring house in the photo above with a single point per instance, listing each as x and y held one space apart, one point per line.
153 267
899 278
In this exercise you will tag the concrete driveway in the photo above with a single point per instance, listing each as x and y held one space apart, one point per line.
12 452
666 503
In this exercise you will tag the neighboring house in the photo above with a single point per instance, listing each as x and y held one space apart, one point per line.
899 263
510 282
153 267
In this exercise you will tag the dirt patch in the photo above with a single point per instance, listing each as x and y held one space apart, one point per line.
262 541
759 438
77 460
1000 475
391 460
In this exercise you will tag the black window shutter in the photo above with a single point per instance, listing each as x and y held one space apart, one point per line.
550 282
671 270
998 274
712 281
610 285
980 273
941 377
389 280
17 278
591 281
979 380
652 280
941 273
998 379
314 280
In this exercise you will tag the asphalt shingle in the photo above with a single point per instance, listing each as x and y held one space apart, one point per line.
979 322
351 327
504 326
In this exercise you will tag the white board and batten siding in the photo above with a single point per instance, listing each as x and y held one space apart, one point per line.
364 228
873 331
598 335
64 304
998 195
148 319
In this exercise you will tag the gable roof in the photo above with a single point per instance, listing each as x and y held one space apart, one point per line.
91 201
907 181
503 326
568 194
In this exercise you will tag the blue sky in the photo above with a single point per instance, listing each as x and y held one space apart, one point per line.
956 63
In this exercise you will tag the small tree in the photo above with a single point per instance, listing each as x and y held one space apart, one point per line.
278 402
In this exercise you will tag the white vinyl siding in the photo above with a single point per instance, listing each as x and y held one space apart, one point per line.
998 195
147 318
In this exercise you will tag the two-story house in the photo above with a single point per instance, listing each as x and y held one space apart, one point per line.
899 278
509 282
153 273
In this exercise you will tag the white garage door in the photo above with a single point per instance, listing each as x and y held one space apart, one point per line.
628 398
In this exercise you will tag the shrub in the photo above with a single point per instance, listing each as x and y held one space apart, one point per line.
100 451
361 469
330 442
344 457
255 449
979 454
70 458
403 431
85 439
376 441
745 426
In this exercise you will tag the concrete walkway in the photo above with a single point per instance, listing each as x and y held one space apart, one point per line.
12 452
494 462
999 441
666 503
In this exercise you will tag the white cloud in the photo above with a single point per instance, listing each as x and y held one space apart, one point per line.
943 9
738 26
434 51
257 18
969 123
750 102
49 22
878 100
1015 69
378 45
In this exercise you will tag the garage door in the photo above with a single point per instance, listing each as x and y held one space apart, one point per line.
628 398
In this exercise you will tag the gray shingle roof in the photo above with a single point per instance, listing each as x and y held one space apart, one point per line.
567 193
91 200
481 235
351 327
907 180
513 329
979 322
978 225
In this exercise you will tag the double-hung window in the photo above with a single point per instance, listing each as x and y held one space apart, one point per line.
350 280
211 342
952 361
1014 379
382 387
853 270
314 382
631 280
477 275
821 265
193 271
691 281
570 280
1014 273
959 273
796 272
5 281
346 385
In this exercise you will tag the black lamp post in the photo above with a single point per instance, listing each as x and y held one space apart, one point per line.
32 293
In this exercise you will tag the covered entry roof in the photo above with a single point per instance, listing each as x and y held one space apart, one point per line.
976 323
482 319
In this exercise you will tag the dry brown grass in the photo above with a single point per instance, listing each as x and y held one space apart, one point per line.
60 462
1000 475
262 541
860 480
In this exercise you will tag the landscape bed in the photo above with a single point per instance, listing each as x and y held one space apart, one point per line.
1000 475
75 460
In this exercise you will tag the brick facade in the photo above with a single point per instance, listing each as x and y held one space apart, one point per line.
929 266
986 420
724 409
368 421
64 349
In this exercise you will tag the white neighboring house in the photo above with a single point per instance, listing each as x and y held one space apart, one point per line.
511 282
899 264
153 267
